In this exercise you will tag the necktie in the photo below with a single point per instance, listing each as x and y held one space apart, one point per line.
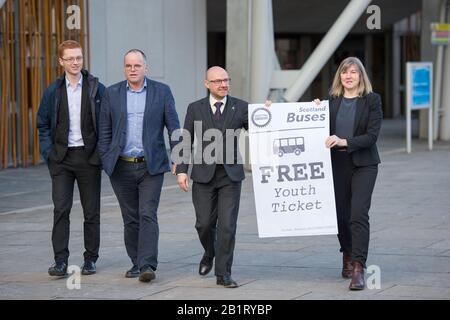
217 114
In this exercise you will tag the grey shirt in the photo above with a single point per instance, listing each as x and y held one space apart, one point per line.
345 118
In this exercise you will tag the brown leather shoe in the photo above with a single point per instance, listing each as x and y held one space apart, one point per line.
357 282
347 265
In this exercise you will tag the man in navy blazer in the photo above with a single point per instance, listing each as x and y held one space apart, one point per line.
68 132
131 145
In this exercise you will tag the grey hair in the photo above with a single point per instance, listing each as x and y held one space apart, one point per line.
136 51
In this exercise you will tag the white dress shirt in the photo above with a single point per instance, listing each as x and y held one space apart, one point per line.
74 101
212 101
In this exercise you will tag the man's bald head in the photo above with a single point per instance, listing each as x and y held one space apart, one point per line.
217 82
215 70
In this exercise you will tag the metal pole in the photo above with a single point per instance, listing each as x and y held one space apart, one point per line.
439 67
430 128
430 112
408 108
262 50
444 120
396 71
408 129
325 49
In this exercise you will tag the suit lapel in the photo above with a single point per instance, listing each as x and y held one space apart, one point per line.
229 114
360 103
206 111
123 102
334 108
148 99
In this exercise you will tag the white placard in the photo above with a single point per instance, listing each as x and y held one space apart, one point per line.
291 167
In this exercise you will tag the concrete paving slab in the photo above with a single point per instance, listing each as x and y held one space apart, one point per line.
216 293
421 292
410 241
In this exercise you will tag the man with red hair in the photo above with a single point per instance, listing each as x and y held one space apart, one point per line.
67 122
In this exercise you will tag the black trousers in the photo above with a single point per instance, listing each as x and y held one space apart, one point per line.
75 167
138 194
216 208
353 187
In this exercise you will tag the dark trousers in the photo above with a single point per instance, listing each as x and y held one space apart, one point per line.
138 194
216 208
75 166
353 187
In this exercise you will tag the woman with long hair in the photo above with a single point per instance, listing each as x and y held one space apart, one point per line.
355 121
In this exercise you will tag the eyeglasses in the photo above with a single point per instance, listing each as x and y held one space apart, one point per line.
135 66
220 81
72 59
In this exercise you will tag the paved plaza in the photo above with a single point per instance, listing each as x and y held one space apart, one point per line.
410 240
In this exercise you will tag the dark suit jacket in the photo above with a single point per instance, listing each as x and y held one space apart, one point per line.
159 113
368 116
47 115
236 117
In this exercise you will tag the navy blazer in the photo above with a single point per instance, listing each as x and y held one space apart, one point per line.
159 112
362 146
49 107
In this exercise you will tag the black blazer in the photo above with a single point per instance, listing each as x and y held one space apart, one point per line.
362 146
236 117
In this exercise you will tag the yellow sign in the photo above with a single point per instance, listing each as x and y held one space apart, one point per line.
440 33
440 27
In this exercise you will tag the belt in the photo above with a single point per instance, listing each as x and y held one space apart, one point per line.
134 160
76 148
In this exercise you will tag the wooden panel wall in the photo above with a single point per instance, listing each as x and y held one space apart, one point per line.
30 32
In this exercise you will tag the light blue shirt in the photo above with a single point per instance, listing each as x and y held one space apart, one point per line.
135 121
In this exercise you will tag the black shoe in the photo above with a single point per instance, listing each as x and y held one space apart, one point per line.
133 272
88 268
59 269
147 274
227 282
205 266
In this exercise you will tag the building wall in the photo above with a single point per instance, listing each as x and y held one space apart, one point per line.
172 33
